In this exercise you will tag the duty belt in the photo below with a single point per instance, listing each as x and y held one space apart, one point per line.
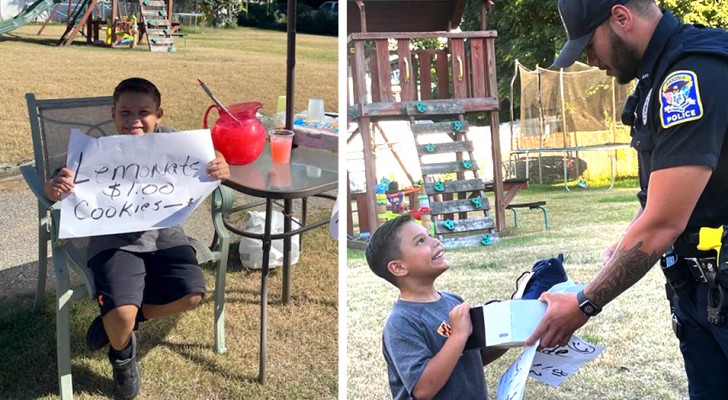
683 273
706 270
703 257
698 266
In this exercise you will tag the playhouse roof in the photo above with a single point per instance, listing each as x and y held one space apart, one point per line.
406 15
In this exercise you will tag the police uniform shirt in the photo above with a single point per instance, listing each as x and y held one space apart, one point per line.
682 120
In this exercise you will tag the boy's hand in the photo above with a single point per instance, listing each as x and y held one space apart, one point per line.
218 168
460 320
61 183
438 370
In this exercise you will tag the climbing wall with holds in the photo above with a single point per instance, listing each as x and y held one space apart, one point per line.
456 193
156 27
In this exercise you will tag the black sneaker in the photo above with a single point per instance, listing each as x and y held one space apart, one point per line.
96 337
126 373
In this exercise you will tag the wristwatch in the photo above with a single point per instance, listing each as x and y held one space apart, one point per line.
587 306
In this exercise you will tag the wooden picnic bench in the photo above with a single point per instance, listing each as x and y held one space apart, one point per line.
511 188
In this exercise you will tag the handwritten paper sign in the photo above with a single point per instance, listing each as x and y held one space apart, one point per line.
552 366
512 384
135 183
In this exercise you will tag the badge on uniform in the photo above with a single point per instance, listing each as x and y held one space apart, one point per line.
680 99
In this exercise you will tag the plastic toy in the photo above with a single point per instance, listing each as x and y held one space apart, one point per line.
397 200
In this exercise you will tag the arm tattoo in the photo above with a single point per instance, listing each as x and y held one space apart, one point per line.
626 267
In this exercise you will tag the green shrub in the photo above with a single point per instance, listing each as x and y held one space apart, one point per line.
273 16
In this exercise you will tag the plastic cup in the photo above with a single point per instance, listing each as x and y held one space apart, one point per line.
280 117
281 141
281 105
315 110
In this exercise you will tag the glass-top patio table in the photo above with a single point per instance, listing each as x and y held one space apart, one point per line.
311 172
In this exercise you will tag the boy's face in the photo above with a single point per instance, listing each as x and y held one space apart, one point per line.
421 255
135 114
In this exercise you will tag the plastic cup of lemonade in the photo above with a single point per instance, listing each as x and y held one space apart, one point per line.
281 141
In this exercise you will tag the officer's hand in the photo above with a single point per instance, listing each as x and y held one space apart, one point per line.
562 318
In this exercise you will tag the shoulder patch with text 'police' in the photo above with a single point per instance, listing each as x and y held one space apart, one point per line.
680 99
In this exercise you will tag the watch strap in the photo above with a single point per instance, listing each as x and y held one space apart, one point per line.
587 306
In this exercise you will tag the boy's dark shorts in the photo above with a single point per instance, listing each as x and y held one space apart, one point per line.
159 277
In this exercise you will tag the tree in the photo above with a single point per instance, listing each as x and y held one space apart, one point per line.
222 13
706 12
530 31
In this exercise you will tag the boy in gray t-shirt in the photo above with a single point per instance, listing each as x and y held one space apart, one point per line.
425 334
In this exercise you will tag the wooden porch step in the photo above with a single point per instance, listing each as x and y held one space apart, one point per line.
447 167
468 185
454 242
460 146
439 127
456 206
465 225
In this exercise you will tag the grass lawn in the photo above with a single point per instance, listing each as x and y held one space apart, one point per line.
641 360
176 355
239 65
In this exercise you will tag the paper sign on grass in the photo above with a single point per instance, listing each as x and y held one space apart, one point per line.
512 384
135 183
553 365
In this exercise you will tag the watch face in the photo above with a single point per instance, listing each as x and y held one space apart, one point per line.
589 309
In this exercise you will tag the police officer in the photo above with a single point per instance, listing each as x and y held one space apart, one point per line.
680 118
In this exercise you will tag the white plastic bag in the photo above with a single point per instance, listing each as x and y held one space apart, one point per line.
251 250
334 221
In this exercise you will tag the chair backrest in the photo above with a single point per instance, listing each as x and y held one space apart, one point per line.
51 122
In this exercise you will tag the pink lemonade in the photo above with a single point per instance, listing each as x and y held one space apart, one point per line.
280 148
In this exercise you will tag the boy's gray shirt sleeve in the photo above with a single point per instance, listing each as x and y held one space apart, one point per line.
405 349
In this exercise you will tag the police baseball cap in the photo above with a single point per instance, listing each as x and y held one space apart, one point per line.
581 18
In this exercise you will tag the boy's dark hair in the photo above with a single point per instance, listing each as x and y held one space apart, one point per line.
138 85
383 247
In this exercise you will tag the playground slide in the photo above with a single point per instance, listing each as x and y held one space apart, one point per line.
27 15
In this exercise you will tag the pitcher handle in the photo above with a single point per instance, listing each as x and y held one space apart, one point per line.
204 120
